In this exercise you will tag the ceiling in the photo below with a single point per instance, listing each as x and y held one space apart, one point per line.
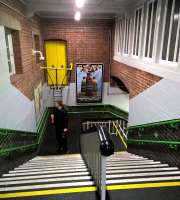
66 8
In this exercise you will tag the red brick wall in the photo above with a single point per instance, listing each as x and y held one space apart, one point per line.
28 74
134 79
87 40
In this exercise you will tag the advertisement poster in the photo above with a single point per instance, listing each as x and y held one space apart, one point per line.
38 100
89 82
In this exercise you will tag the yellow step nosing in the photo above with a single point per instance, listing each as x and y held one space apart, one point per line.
88 189
48 192
143 185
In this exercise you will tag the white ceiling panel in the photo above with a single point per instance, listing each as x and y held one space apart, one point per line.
66 8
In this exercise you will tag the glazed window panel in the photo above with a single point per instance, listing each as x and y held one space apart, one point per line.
10 51
171 37
137 31
119 35
127 26
150 28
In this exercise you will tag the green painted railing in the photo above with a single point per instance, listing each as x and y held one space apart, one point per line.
162 142
42 125
39 134
171 123
111 111
73 110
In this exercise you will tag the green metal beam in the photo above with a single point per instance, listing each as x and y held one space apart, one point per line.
18 148
167 122
170 144
11 131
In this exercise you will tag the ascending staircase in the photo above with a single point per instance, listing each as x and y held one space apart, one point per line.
129 177
48 175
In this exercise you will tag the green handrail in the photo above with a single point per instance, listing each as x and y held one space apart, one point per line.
171 144
40 130
149 125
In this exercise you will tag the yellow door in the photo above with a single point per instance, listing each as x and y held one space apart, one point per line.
56 62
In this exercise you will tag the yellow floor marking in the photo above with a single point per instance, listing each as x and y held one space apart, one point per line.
143 185
88 189
47 192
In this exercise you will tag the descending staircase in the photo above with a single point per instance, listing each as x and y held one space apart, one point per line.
129 177
59 176
132 177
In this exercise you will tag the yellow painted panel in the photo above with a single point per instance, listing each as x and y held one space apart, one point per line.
56 58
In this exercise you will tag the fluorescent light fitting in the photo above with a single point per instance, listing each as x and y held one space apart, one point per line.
80 3
77 16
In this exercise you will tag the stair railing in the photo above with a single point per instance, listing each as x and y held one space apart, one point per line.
121 134
96 145
112 125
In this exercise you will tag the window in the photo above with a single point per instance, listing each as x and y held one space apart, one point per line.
10 51
150 28
119 35
137 31
171 35
122 35
37 47
127 26
151 38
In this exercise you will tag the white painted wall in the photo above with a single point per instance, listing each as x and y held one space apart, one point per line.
158 103
117 98
16 110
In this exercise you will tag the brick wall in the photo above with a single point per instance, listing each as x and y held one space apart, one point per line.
87 40
27 74
134 79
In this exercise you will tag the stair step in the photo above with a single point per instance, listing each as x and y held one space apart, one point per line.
45 186
141 170
55 175
147 179
70 156
142 174
138 166
126 159
49 166
44 172
54 162
43 180
24 169
132 163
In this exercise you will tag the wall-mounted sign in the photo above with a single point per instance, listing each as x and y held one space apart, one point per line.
89 82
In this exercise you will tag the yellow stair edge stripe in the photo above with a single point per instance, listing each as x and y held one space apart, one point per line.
143 185
88 189
47 192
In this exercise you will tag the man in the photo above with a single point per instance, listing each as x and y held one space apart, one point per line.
60 119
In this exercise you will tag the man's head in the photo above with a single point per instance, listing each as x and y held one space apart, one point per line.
59 104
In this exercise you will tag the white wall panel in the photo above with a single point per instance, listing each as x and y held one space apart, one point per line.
118 98
158 103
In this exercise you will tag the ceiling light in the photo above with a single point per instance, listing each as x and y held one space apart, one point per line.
77 16
80 3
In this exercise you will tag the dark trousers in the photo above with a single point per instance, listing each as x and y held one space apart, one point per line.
62 140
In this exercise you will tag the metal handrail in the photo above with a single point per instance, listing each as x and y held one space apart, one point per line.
120 136
96 145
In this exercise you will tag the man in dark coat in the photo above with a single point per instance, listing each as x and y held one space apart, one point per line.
60 119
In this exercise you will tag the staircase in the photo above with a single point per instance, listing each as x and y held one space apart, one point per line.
128 177
59 176
134 177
